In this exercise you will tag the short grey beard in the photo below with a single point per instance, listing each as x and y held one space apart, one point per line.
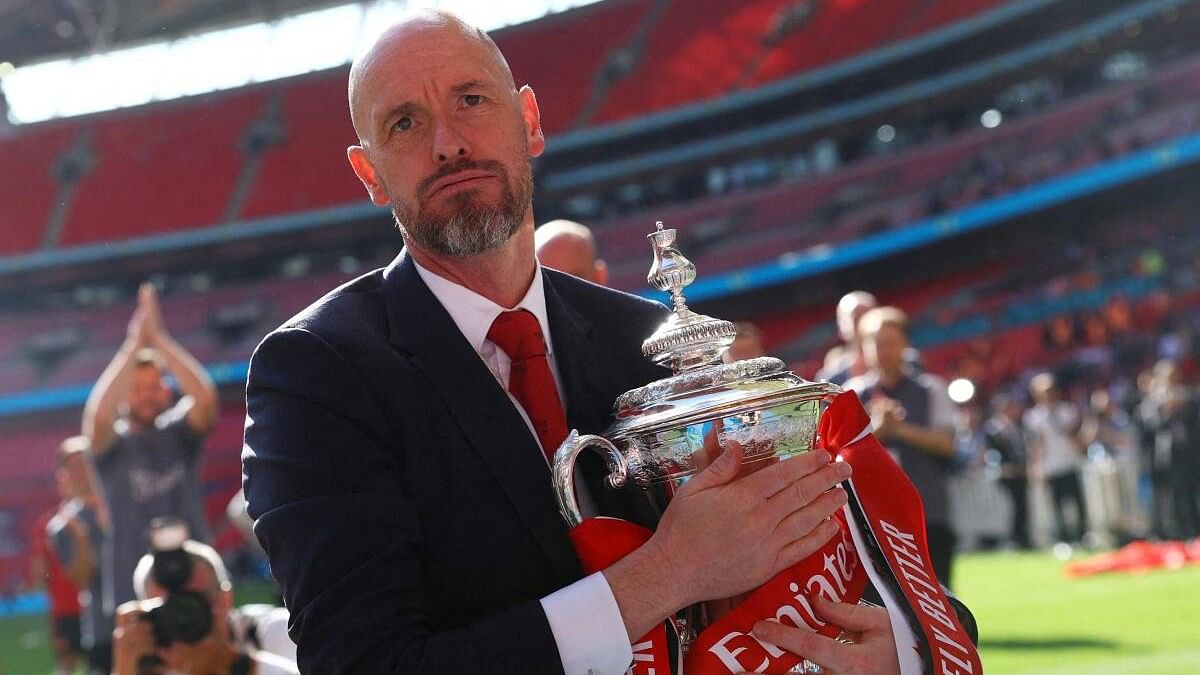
470 231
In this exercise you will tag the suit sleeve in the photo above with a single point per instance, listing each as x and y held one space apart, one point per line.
323 483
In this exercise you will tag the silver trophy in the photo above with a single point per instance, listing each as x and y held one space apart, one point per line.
667 431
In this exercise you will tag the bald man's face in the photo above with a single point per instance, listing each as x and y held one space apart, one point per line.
446 138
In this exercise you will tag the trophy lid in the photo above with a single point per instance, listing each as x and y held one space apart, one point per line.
691 344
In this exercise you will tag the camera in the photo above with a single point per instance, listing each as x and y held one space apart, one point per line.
182 615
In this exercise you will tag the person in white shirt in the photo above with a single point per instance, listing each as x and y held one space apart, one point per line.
1056 454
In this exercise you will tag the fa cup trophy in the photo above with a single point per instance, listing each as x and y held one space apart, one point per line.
669 430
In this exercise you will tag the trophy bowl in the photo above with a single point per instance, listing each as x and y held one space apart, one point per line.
667 431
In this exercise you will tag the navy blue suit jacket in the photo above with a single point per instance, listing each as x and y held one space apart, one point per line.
404 504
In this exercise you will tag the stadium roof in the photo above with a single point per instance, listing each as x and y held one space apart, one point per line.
36 30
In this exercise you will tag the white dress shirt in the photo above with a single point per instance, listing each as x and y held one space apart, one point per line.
583 616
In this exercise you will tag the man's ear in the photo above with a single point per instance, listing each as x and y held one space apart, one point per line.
365 170
533 121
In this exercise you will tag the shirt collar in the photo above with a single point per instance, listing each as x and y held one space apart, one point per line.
474 314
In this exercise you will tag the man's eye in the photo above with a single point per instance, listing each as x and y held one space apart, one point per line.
403 124
472 100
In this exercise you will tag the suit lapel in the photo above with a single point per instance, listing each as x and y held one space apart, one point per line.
420 326
576 350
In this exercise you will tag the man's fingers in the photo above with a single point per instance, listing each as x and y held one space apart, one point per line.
860 618
808 544
804 520
825 652
776 477
806 489
723 469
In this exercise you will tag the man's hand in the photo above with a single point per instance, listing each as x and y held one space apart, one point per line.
772 519
886 416
152 313
871 649
133 641
720 537
135 333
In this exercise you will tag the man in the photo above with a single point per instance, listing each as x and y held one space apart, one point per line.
147 450
570 247
398 431
80 534
1052 426
914 419
235 643
63 595
846 361
1173 411
1004 435
747 343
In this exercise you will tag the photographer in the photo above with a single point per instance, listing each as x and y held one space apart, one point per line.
184 620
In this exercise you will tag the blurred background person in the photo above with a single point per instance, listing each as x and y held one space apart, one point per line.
1006 438
570 247
46 570
846 360
914 418
1056 455
147 447
188 579
1172 411
747 343
1111 439
81 536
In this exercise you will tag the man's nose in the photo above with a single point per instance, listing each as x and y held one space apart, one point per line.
448 144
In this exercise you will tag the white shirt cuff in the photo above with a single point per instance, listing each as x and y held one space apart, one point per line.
588 628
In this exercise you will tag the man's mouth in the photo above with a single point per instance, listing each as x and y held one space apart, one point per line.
461 179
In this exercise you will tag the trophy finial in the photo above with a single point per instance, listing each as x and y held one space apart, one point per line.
686 340
671 270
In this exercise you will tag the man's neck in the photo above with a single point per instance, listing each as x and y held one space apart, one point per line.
502 275
890 378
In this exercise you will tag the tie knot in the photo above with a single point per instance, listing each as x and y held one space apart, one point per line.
518 334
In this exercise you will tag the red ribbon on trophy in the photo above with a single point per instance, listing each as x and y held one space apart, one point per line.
881 539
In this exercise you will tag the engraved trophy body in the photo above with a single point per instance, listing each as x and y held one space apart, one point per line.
667 431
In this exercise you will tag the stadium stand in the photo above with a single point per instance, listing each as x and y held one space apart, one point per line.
307 169
192 145
28 184
703 50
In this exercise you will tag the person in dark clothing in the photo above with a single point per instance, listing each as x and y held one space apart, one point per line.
1173 412
914 418
1004 435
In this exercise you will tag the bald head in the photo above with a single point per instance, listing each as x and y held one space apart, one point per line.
445 139
850 309
570 247
421 36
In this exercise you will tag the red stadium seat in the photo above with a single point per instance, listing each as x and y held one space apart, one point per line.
162 168
309 169
559 56
27 184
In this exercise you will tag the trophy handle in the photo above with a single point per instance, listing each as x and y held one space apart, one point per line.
564 471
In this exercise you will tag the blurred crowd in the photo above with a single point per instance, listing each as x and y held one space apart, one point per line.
133 586
1067 454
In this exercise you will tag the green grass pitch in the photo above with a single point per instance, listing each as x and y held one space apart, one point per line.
1032 620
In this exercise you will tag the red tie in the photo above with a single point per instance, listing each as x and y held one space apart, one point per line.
530 380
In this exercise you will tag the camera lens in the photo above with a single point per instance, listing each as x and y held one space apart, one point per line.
185 616
172 568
